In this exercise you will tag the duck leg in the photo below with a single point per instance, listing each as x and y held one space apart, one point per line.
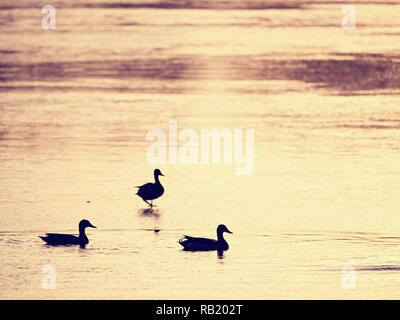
152 205
148 203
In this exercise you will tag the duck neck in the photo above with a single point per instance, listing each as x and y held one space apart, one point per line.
82 233
157 179
220 236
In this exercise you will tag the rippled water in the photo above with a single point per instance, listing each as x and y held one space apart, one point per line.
76 104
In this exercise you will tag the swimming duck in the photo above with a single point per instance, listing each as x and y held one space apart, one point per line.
151 191
202 244
56 239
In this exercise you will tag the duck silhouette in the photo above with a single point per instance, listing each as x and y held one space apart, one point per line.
151 191
202 244
57 239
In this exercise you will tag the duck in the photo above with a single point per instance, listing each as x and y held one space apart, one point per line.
57 239
202 244
151 191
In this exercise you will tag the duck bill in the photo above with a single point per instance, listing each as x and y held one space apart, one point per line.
229 231
92 226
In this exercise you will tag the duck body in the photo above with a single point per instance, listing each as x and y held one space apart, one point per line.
151 191
58 239
203 244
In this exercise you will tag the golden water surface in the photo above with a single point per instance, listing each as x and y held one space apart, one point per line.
77 102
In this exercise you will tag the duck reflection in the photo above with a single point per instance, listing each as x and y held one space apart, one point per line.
150 212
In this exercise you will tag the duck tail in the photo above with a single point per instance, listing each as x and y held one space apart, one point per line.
182 241
137 187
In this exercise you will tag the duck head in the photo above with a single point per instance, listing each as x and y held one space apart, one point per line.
85 224
157 173
222 228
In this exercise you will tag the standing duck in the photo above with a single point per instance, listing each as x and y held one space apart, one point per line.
56 239
151 191
203 244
